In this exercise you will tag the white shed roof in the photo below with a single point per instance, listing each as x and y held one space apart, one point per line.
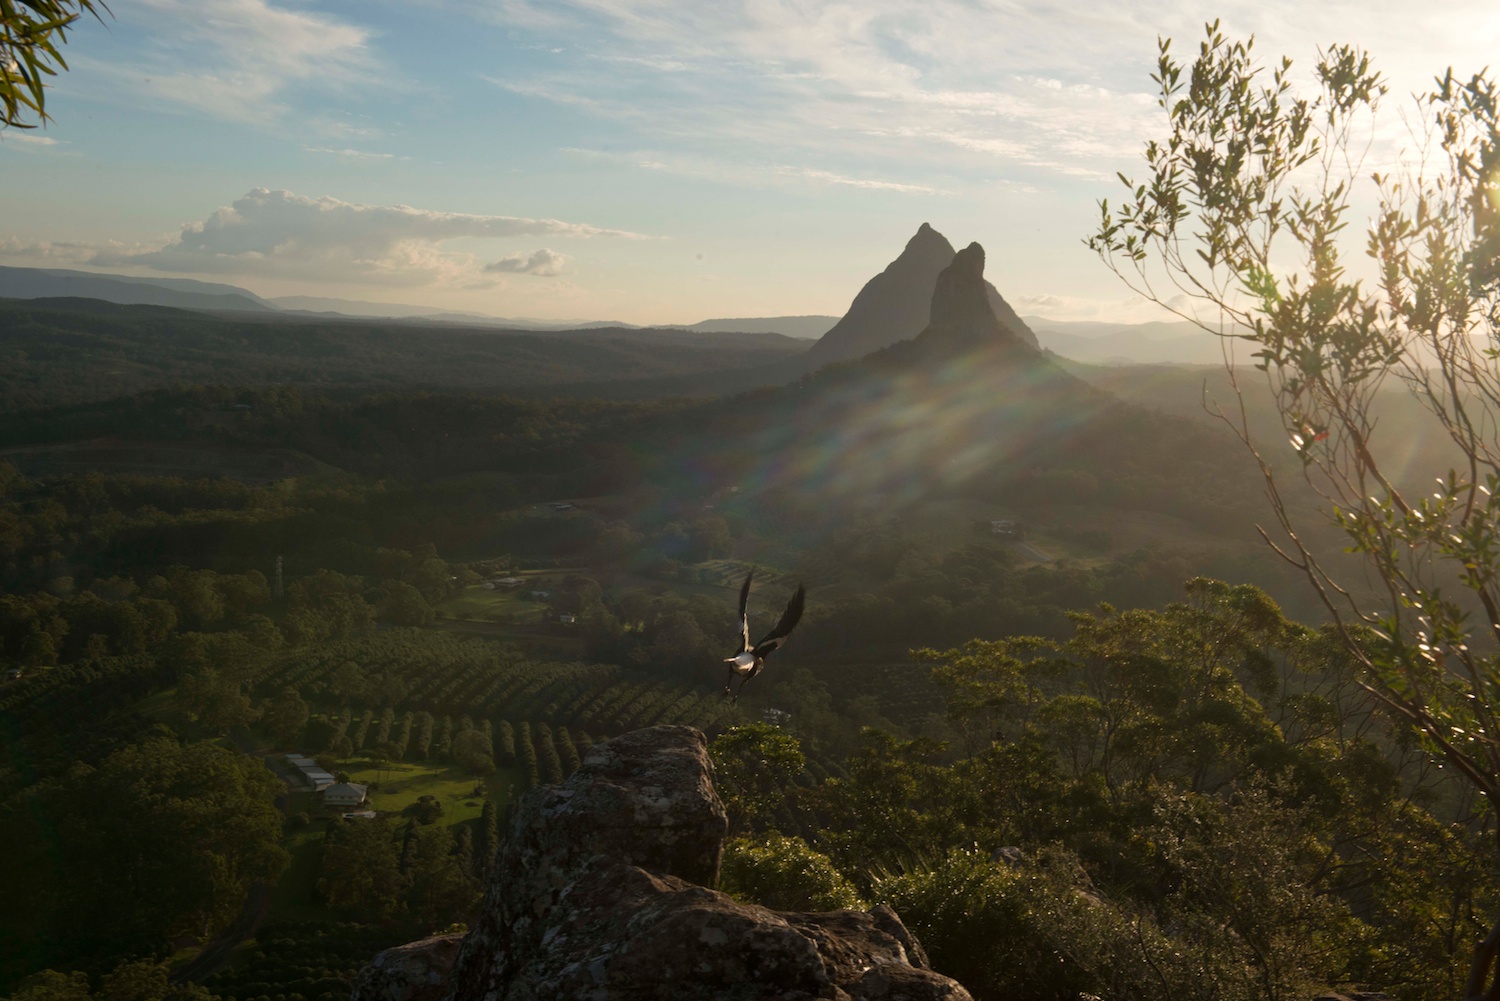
345 791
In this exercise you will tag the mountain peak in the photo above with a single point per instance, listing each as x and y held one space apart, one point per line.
959 301
971 258
926 236
892 306
896 304
927 242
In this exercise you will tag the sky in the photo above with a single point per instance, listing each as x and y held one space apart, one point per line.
646 161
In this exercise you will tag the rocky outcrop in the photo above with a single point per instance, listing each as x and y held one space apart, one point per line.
418 971
601 894
961 308
965 347
893 306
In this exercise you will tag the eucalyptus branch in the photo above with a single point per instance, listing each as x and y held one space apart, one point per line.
1250 167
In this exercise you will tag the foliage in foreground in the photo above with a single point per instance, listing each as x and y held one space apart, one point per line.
30 34
163 838
1195 801
785 874
1247 207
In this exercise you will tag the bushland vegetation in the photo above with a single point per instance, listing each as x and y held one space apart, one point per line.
1077 765
1079 779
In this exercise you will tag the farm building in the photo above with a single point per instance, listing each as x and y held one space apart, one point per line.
311 770
344 794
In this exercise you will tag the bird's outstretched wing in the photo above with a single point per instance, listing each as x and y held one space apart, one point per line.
744 613
789 620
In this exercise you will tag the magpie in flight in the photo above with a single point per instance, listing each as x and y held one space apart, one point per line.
750 659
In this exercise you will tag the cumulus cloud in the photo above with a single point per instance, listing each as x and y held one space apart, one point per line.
543 263
283 233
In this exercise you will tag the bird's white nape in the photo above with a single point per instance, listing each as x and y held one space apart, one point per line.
741 662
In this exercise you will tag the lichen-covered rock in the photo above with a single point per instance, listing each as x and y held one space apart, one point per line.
596 897
417 971
894 982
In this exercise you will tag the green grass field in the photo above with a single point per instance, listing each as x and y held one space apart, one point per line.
402 783
492 606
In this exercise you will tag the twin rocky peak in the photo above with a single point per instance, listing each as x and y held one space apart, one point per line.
930 287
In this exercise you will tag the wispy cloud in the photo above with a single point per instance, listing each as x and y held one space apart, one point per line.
1071 308
52 251
238 59
896 87
542 263
281 233
30 142
903 88
352 154
746 172
872 184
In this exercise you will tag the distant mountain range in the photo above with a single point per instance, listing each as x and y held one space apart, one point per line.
806 327
891 307
1157 343
181 293
185 293
355 307
325 306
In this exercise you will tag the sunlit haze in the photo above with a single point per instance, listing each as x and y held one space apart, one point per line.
650 162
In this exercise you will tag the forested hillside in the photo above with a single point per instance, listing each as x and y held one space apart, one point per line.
60 351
